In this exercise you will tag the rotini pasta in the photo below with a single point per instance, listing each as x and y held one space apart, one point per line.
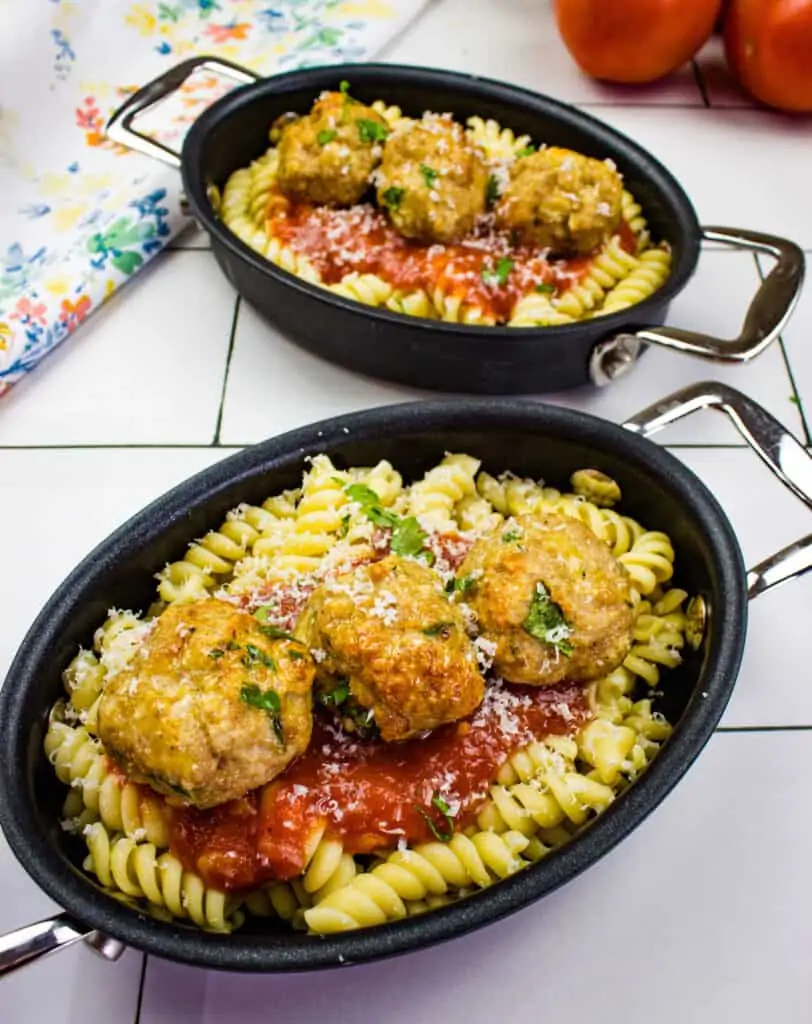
310 219
270 558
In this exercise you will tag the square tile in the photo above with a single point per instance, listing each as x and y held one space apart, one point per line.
518 42
771 688
146 368
274 385
721 86
796 340
714 302
741 168
713 930
59 505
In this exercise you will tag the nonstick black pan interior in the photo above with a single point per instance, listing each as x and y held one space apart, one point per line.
528 438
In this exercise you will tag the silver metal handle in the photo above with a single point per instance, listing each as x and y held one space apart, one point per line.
120 128
785 456
766 316
24 945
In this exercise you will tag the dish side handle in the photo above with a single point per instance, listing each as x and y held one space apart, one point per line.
784 454
766 316
20 947
120 127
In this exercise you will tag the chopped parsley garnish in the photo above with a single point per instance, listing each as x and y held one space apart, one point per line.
371 131
795 400
545 621
254 656
393 196
337 696
429 175
499 275
492 191
216 653
295 655
361 721
445 833
232 645
344 87
275 633
408 536
326 135
510 535
265 700
344 529
545 289
460 585
526 151
442 629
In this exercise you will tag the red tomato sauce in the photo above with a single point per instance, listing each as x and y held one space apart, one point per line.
485 270
371 794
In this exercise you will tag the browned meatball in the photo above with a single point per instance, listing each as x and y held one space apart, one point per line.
328 157
552 599
561 200
432 181
389 630
209 707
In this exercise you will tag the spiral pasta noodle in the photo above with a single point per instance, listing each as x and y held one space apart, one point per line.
536 310
654 267
433 498
498 143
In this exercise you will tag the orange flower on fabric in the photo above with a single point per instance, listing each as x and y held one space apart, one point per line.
226 33
28 311
73 313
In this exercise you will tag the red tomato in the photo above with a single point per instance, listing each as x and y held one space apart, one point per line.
634 40
769 48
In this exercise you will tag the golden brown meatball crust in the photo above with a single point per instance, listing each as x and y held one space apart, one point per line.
194 713
432 181
328 156
561 200
529 573
390 631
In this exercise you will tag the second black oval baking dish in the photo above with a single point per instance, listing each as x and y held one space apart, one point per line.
448 356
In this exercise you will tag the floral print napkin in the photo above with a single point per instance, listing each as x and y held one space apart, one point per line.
80 214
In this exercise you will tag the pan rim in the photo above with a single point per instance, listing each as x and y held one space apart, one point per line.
44 862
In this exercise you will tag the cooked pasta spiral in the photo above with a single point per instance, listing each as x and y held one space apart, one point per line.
367 288
649 562
139 872
433 498
499 144
318 519
536 310
429 869
654 267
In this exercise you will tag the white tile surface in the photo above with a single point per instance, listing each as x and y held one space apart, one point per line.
721 87
147 368
519 42
689 921
96 491
741 168
193 237
798 346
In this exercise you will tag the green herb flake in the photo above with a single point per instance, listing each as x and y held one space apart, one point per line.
275 633
429 175
509 536
337 696
546 622
261 614
499 275
344 87
545 289
526 151
371 131
795 400
216 653
444 833
409 538
460 585
268 701
442 629
254 656
393 196
232 645
295 655
362 494
361 721
492 190
326 135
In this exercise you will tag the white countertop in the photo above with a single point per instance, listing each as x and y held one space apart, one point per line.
705 912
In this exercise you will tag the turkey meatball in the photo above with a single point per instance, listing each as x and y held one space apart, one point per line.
561 200
209 707
551 598
328 156
390 632
432 181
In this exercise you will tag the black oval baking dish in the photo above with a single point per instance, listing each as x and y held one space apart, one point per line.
447 356
533 440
